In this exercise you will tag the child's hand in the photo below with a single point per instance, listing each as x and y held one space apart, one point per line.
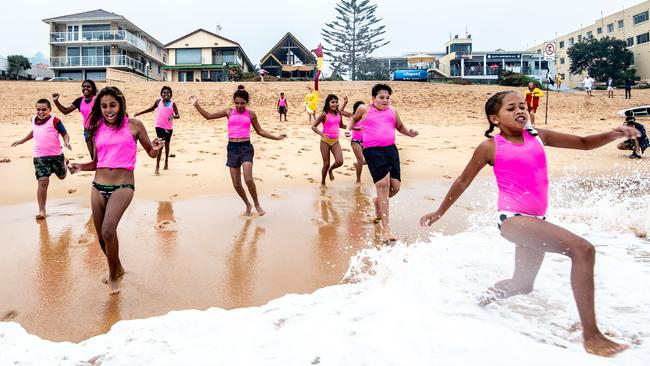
282 136
16 143
74 168
157 143
55 96
413 133
67 145
627 132
430 218
136 114
345 99
347 132
194 100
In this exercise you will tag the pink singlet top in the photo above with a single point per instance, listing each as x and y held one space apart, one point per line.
164 115
356 134
331 125
239 124
522 176
85 108
379 127
282 103
46 138
115 148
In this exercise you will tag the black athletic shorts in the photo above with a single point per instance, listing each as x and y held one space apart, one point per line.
282 110
164 134
239 153
382 160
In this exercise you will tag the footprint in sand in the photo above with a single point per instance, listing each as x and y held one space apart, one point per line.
311 180
9 315
85 239
257 179
85 174
173 195
72 190
5 160
288 176
165 225
430 198
191 174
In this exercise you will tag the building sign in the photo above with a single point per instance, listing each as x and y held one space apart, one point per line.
504 56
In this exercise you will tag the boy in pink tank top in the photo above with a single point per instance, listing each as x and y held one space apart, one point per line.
520 169
380 121
166 113
283 107
48 157
240 151
332 120
83 104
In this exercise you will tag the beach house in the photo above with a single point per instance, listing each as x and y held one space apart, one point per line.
289 59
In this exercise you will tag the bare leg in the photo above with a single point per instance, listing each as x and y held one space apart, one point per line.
235 176
157 171
338 159
527 264
536 234
358 166
41 195
384 188
532 117
252 189
98 205
166 156
325 154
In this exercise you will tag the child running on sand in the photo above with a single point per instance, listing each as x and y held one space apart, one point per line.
282 107
380 120
332 120
48 157
532 95
113 136
166 113
519 163
357 143
240 149
84 104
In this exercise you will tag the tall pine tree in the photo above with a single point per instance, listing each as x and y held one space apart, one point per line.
353 36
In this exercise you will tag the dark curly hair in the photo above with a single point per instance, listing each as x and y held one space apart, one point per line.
492 107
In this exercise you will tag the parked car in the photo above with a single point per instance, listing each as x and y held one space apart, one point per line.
60 78
42 78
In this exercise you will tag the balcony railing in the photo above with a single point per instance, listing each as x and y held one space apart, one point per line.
94 61
98 36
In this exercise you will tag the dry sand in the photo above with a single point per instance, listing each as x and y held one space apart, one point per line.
183 243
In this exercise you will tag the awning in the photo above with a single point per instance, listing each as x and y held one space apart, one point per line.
291 68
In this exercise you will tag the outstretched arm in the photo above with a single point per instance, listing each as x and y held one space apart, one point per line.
343 111
260 131
483 155
401 127
29 136
65 110
151 147
88 166
150 109
207 115
567 141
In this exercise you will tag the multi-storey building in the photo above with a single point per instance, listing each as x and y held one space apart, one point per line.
101 45
630 24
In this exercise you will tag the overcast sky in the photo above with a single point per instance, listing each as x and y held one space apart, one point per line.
411 25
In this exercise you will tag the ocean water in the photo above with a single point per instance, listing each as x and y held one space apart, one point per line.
414 303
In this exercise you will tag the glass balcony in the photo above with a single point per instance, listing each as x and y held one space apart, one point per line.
98 36
97 61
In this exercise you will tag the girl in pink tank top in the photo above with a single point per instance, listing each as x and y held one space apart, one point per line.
519 162
332 120
113 136
48 157
240 150
84 104
166 113
357 143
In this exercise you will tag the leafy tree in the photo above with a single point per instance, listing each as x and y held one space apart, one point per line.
601 58
353 36
372 69
17 63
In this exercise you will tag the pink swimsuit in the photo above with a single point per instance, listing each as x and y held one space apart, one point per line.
46 138
522 176
282 103
85 109
239 124
331 125
164 115
116 149
379 127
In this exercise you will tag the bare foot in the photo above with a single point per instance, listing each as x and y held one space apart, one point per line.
260 211
166 167
40 215
114 285
157 171
249 211
503 290
377 218
331 173
388 236
602 346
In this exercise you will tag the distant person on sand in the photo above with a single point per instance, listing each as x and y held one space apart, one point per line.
84 104
48 157
637 145
356 142
588 84
240 149
532 95
166 112
628 88
113 136
312 96
332 120
610 87
380 120
282 107
558 81
261 73
517 156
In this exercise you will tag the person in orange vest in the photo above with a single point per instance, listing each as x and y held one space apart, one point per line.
532 95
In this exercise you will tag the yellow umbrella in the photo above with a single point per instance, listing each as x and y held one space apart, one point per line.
421 58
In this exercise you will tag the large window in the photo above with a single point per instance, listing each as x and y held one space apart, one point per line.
621 24
610 27
96 56
571 41
630 41
561 44
74 56
228 56
188 56
599 30
186 76
640 18
590 35
643 38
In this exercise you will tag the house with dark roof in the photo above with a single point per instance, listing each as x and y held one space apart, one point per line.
289 58
101 45
205 56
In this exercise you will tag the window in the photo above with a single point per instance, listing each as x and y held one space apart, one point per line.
630 41
590 35
561 60
599 30
159 70
579 38
188 56
643 38
228 56
610 27
621 24
561 44
640 18
571 42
